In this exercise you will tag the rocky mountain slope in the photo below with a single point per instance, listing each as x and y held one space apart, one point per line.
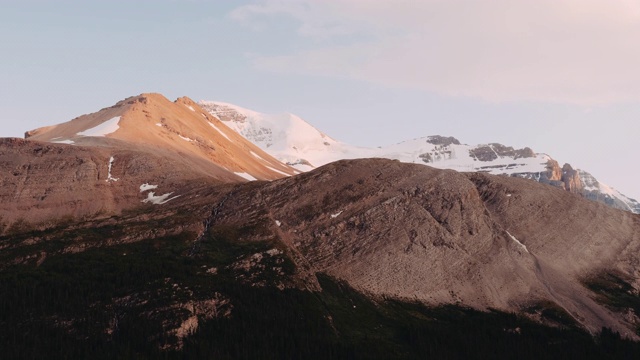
145 149
181 127
43 183
438 236
293 141
133 233
408 239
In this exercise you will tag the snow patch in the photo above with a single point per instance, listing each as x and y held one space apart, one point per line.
159 124
68 142
278 171
147 187
185 138
191 108
246 176
158 200
256 155
220 131
291 140
333 216
108 127
278 223
517 241
109 177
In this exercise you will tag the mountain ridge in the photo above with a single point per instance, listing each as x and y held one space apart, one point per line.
144 149
442 152
180 126
137 226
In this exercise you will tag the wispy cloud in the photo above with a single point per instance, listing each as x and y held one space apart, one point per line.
570 51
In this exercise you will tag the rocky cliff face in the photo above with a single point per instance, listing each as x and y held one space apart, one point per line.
564 177
582 183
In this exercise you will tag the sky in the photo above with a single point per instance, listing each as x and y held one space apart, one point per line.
559 76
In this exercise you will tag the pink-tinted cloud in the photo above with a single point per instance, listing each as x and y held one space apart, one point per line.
572 51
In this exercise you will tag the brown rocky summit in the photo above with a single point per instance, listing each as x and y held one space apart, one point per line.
143 150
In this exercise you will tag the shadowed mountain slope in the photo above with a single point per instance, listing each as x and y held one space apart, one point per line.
364 248
414 232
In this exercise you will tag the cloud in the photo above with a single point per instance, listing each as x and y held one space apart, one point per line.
566 51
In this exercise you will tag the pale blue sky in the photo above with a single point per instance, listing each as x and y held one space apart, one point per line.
560 76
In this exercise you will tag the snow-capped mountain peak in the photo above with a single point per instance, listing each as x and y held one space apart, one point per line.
286 136
295 142
595 190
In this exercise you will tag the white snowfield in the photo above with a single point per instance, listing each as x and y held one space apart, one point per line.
457 157
277 171
153 198
147 187
108 127
292 140
246 176
68 142
286 137
160 199
185 138
110 178
517 242
220 131
295 142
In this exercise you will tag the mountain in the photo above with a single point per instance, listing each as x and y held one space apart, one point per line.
144 149
438 236
133 233
293 141
286 136
368 258
181 127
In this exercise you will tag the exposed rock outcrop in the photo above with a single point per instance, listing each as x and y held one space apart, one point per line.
565 177
442 140
571 179
492 151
